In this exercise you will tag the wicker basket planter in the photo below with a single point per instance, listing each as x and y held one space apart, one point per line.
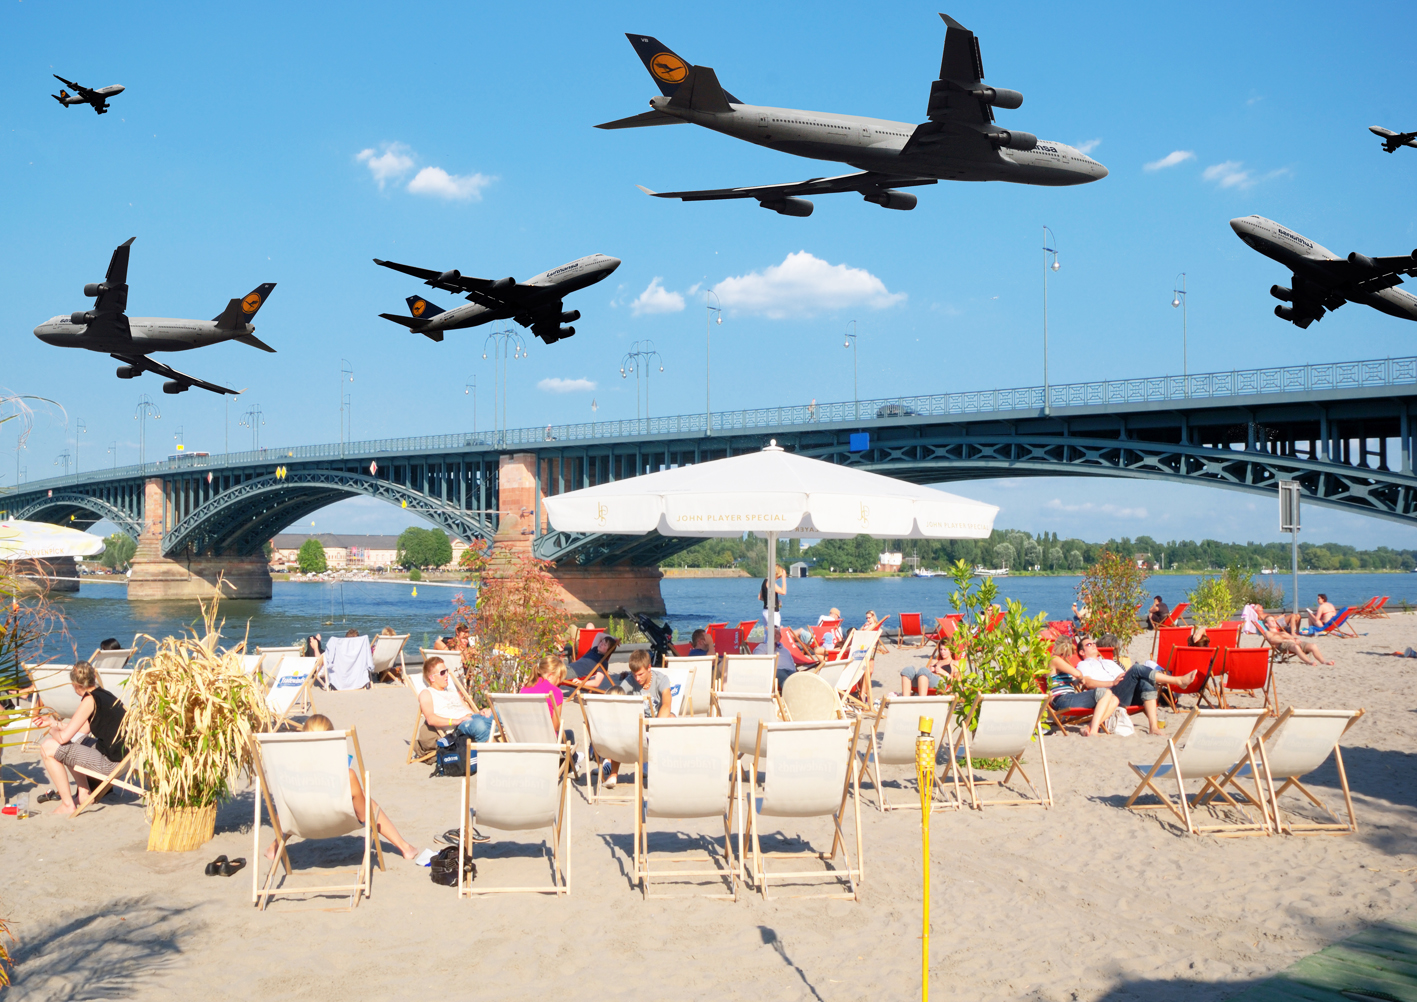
181 829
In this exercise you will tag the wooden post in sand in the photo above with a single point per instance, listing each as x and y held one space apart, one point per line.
925 780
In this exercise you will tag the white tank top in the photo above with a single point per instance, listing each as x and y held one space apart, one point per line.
447 703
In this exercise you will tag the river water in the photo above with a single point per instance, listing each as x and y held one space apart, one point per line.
299 609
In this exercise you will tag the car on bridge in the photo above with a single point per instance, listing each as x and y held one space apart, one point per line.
896 410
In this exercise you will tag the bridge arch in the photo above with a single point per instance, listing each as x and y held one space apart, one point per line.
239 521
81 511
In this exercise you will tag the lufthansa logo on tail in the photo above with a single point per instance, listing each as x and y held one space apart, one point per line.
668 67
251 303
419 305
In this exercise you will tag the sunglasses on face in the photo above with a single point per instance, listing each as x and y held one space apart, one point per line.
441 674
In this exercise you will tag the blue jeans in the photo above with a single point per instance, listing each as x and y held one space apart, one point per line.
477 727
1137 686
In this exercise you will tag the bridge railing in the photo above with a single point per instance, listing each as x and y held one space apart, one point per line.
1324 377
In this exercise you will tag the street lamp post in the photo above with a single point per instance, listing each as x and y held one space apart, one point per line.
471 386
79 429
345 370
63 459
709 312
178 440
1178 298
646 356
113 451
851 343
145 409
1048 238
255 420
506 344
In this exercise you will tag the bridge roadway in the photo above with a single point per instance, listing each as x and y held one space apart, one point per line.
1342 430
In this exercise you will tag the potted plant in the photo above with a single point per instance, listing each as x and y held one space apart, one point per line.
1211 602
191 714
1113 590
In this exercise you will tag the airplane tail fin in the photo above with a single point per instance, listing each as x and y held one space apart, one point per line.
669 69
412 323
422 309
62 97
239 312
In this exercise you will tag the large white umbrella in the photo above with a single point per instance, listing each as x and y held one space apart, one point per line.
21 540
772 493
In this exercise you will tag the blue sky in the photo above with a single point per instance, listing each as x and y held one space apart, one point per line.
234 158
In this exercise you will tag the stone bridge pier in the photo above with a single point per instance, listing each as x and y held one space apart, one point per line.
156 577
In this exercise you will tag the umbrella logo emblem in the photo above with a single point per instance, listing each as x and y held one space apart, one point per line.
601 511
668 67
865 515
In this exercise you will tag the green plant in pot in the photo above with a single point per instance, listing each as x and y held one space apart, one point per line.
1211 602
1113 590
191 715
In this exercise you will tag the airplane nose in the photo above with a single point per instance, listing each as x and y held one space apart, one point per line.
1238 225
614 262
1101 171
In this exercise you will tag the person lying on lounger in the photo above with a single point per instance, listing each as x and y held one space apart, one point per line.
385 827
1063 680
1285 642
700 644
1132 686
443 705
590 671
1320 618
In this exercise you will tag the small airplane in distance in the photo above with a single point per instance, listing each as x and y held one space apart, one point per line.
1392 140
98 98
959 142
535 303
1323 280
108 329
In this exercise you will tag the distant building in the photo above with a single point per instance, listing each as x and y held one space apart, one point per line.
890 563
347 551
797 570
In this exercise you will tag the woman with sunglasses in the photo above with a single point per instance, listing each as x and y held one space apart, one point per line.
444 707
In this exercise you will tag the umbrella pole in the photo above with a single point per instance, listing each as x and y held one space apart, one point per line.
771 593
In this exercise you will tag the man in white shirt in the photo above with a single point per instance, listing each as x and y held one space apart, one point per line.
1129 685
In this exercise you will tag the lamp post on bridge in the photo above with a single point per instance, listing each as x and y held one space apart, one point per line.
471 385
851 343
63 459
709 312
1048 238
254 420
345 370
79 429
145 409
179 441
506 343
1178 298
113 451
645 356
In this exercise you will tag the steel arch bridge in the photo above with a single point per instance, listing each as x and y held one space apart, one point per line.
1343 431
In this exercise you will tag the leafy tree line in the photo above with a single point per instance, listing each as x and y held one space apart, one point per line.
423 548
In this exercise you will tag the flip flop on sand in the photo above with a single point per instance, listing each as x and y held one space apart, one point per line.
231 866
214 867
45 798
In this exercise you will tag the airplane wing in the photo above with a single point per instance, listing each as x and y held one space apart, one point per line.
1360 273
495 294
145 364
864 182
109 319
82 91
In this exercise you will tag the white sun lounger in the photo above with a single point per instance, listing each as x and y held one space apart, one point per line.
1208 747
749 673
303 780
751 709
681 682
106 661
809 774
290 685
613 730
388 650
893 734
1006 726
520 787
693 775
348 663
696 704
524 717
52 686
271 657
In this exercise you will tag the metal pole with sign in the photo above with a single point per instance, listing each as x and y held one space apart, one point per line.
1289 522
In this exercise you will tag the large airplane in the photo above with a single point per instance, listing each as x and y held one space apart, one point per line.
1392 140
535 303
108 329
1323 280
98 98
959 142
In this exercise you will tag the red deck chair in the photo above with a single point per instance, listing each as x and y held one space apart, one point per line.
585 639
910 628
1247 669
1224 635
746 628
1108 653
1366 607
1175 618
717 626
1185 660
801 658
1058 718
726 641
682 650
1061 627
1168 638
1378 612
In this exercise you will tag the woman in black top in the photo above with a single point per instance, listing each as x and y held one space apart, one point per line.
778 584
88 739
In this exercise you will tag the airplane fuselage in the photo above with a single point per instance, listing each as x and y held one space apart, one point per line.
149 334
555 285
1299 254
876 144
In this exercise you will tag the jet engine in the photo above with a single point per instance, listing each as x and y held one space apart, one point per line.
565 332
1021 141
787 206
173 386
451 275
503 283
1362 261
570 317
1000 97
891 199
128 372
1284 312
1282 292
82 317
95 289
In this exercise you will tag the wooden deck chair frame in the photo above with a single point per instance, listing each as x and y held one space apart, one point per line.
271 657
262 893
1268 693
387 666
560 829
592 791
1338 826
916 630
1168 765
851 790
524 707
963 747
697 700
730 870
941 710
301 697
416 688
120 777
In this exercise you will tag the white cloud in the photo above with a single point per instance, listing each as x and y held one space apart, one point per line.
804 285
1087 507
455 187
557 385
1231 174
657 299
1170 160
1088 146
390 163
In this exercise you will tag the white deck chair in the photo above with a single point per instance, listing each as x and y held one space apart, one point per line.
524 717
290 685
348 663
104 661
692 763
750 708
250 664
701 684
613 730
681 683
1295 745
749 673
807 696
388 650
520 787
1207 747
271 657
1006 725
303 779
416 685
51 685
809 774
894 731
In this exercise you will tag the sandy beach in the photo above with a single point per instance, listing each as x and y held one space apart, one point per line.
1085 901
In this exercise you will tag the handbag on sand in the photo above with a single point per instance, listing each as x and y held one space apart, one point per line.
1120 723
443 867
